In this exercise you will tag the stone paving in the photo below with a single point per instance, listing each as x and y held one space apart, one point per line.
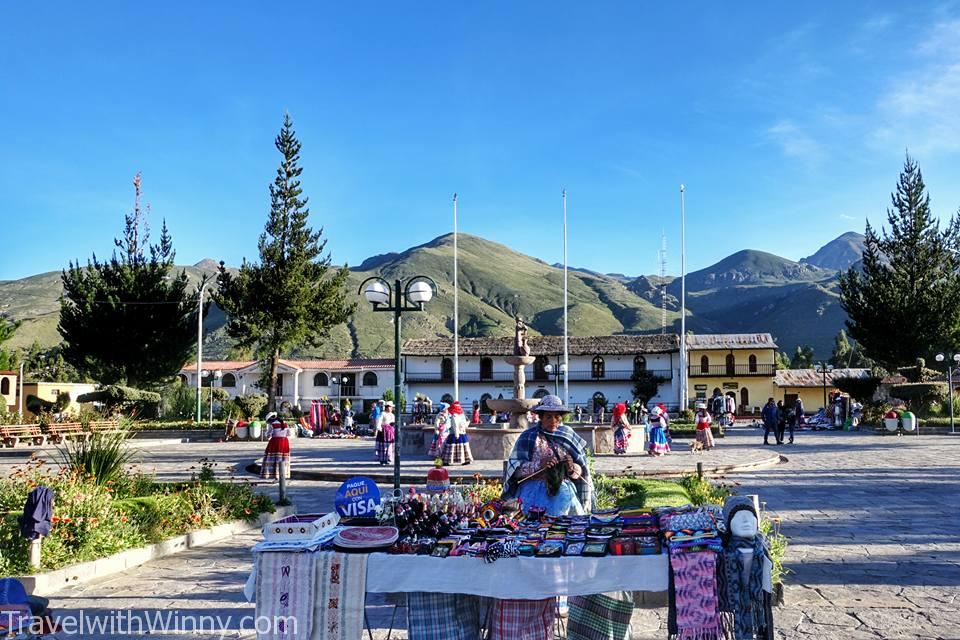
874 552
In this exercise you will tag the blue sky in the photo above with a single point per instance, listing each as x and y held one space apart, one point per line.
787 123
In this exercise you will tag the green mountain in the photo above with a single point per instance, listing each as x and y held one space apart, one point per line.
840 253
745 292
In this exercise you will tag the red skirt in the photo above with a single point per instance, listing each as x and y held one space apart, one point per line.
276 459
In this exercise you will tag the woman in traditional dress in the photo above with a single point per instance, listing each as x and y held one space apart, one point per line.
703 421
659 445
276 458
441 427
621 429
456 450
385 433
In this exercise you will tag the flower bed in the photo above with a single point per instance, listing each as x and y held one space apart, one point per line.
93 520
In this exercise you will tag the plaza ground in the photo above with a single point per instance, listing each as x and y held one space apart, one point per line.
874 551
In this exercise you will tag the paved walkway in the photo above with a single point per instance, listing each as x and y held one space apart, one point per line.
874 551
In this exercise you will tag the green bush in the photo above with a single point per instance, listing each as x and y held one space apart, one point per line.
115 397
103 457
702 491
861 389
777 544
251 405
918 394
178 401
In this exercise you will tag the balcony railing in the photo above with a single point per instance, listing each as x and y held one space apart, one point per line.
503 376
725 371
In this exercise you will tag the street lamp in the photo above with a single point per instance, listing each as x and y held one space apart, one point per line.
203 285
216 376
556 376
418 291
956 358
335 381
823 368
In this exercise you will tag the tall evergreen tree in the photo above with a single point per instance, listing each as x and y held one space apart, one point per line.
129 321
8 359
293 296
903 305
842 351
802 358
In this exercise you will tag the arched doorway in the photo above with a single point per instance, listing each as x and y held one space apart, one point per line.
752 363
704 364
540 368
598 367
540 393
731 365
639 364
486 368
446 370
744 399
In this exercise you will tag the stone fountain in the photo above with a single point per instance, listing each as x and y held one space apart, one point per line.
518 406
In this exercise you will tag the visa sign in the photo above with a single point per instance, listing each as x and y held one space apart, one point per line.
357 498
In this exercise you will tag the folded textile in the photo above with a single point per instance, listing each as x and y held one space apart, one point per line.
695 601
285 594
340 596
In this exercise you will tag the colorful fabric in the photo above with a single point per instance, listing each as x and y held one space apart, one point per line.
443 616
340 596
621 439
658 440
746 604
565 439
286 584
522 619
385 444
456 450
695 602
705 437
565 502
441 428
603 616
276 458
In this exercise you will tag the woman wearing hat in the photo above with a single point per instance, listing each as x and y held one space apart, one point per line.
441 426
659 445
276 458
456 450
385 433
621 429
703 421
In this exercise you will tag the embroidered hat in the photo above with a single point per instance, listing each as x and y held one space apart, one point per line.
551 404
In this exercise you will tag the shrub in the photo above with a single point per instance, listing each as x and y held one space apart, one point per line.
918 394
702 491
861 389
251 405
777 543
115 397
178 401
103 457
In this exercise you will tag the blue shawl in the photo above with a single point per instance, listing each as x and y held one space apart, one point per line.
565 439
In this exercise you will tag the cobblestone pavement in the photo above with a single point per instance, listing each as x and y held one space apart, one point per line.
874 552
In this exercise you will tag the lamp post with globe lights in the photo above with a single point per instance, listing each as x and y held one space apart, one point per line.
549 368
956 359
216 376
411 296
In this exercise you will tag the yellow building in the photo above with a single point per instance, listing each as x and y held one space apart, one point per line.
811 385
739 364
50 391
8 389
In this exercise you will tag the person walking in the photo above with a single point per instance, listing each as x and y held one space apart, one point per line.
797 416
703 421
659 423
276 457
385 433
770 416
781 421
456 450
476 413
621 429
441 427
375 412
731 408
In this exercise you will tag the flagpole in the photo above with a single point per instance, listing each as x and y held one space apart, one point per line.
456 309
566 346
683 305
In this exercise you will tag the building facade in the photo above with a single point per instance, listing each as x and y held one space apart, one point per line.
601 368
8 389
359 381
50 392
739 364
812 386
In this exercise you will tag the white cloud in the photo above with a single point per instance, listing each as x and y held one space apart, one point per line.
846 217
794 141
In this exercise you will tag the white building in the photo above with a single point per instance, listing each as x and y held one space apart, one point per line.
299 381
601 368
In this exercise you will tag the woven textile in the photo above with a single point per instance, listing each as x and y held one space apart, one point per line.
340 596
658 440
456 450
745 603
276 458
621 439
705 437
443 616
384 452
523 619
563 438
695 594
285 594
603 616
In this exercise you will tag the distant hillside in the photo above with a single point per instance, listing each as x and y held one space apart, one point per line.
745 292
839 254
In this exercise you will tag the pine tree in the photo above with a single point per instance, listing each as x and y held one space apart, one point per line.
802 358
129 321
8 359
292 297
903 304
842 351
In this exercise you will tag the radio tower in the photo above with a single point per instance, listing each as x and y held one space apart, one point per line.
663 282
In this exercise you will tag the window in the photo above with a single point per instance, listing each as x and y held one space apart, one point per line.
597 368
321 380
446 370
540 368
369 379
599 400
731 364
744 399
5 386
753 364
182 378
279 391
486 368
228 380
540 393
704 364
639 364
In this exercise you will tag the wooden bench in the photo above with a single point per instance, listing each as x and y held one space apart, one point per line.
105 426
14 433
60 431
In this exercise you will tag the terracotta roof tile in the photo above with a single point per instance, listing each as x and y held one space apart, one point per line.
547 345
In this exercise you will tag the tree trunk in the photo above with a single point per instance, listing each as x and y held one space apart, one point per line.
272 390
